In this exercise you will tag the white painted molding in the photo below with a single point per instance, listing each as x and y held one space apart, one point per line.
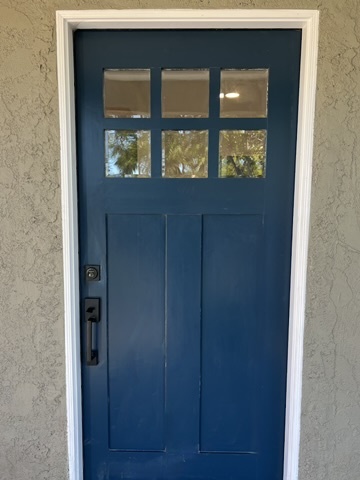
70 245
301 224
66 23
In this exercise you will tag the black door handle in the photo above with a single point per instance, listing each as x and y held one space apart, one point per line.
92 317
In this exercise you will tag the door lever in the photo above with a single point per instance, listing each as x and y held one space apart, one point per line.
92 317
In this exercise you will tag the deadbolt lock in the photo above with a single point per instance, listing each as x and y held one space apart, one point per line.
92 273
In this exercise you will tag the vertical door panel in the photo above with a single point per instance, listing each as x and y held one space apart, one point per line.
232 251
136 331
183 332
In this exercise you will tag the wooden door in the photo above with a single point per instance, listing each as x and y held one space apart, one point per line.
186 160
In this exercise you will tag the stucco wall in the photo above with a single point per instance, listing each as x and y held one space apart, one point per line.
32 393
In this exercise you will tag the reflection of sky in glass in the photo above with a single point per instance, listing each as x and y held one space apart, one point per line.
127 153
112 170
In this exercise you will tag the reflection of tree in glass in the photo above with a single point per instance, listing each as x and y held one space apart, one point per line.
185 153
128 153
242 153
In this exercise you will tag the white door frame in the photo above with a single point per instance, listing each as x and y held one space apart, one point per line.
66 23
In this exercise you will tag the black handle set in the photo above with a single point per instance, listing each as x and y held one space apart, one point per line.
92 317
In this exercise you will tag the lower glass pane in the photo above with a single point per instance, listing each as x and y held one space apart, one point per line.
242 153
127 153
185 153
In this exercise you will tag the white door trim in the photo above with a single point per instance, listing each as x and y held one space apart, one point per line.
66 23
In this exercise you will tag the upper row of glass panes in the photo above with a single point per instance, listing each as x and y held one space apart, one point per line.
185 93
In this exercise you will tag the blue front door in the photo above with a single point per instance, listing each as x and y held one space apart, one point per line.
186 159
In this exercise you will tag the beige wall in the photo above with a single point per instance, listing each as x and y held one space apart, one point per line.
32 393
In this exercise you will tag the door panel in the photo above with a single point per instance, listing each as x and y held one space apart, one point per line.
136 329
183 309
231 287
194 272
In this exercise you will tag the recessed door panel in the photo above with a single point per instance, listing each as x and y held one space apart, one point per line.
231 291
136 330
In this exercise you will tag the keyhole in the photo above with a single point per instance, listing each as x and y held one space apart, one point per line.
92 273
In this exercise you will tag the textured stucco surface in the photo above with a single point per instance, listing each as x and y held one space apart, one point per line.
32 375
